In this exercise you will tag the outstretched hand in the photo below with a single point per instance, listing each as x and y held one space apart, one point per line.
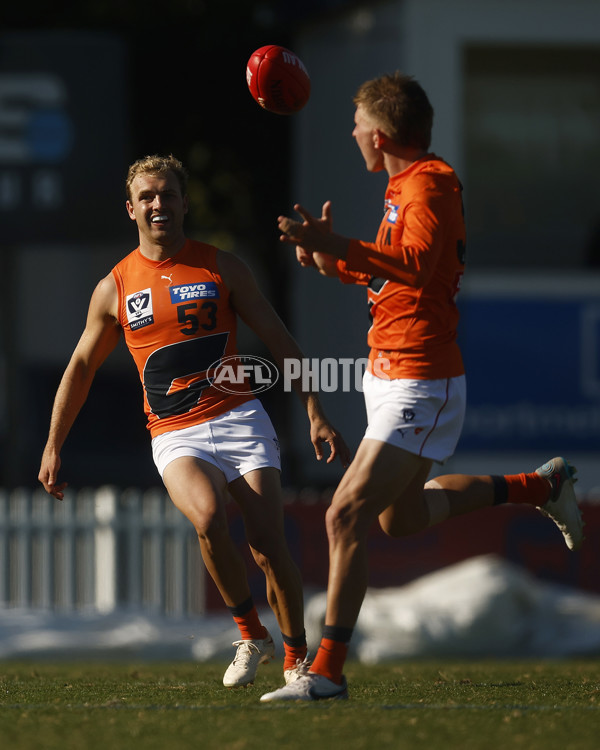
316 244
308 234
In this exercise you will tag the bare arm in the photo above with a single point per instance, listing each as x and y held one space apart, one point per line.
256 311
98 339
409 254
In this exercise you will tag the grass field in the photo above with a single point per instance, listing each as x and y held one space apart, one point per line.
438 706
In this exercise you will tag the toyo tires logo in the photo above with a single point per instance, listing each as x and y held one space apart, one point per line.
243 374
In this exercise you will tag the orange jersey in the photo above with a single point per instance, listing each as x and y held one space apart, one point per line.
177 322
413 272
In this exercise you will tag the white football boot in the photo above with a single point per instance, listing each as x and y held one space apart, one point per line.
309 687
249 655
300 670
562 505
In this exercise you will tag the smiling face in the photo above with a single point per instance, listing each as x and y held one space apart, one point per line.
157 206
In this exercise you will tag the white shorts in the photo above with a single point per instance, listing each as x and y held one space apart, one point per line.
424 417
236 442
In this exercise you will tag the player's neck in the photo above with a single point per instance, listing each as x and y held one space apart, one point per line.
159 251
396 163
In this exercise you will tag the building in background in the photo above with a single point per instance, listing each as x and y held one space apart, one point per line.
516 89
64 150
515 85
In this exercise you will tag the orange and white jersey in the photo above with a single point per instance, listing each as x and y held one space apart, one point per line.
178 322
413 272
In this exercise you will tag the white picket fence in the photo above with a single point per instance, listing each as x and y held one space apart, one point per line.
100 550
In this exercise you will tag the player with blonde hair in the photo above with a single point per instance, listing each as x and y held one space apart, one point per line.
176 302
412 274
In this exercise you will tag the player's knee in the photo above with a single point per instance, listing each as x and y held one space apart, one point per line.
342 520
210 527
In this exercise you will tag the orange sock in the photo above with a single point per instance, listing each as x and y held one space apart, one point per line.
293 654
330 659
246 618
295 649
531 489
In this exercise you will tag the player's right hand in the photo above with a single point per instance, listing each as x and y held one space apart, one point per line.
48 476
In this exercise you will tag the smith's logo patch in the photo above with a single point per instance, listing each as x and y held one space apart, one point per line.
200 290
139 309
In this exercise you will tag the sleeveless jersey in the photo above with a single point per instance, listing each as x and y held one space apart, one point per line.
413 272
178 322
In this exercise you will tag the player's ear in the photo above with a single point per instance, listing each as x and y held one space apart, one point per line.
186 204
379 138
130 210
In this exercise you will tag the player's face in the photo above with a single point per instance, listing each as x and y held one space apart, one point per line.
157 206
365 135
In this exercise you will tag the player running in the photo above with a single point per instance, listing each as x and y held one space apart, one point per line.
412 274
176 301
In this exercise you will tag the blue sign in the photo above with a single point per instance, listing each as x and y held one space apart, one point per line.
533 372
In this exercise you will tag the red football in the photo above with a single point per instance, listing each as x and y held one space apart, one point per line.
278 79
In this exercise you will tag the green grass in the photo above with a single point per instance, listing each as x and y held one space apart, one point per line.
406 706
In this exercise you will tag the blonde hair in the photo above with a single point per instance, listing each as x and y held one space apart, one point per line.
399 105
157 165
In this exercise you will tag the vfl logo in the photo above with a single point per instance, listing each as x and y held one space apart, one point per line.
139 309
392 216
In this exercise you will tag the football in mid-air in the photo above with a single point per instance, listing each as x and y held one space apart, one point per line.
278 79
